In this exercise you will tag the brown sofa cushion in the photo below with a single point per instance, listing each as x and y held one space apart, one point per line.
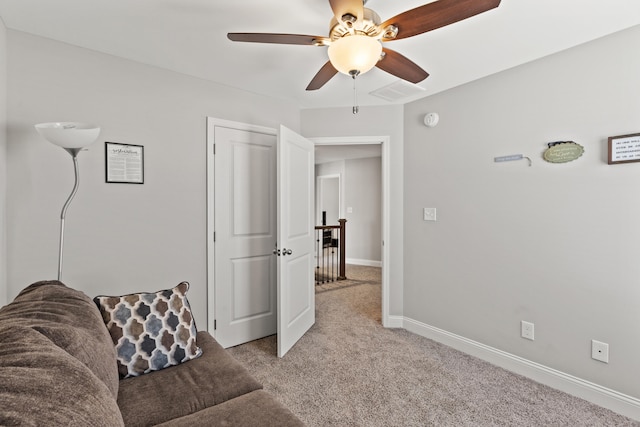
150 330
71 321
41 384
255 409
209 380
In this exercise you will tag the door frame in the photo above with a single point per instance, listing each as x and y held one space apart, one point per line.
210 189
386 206
349 140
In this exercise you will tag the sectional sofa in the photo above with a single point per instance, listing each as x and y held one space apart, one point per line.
66 360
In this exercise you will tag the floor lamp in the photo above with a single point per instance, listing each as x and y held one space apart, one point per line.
73 137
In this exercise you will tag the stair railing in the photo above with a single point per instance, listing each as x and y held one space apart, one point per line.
330 252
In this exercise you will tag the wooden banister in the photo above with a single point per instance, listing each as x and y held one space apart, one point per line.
343 255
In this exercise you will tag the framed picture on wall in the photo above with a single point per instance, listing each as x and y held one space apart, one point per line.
124 163
624 148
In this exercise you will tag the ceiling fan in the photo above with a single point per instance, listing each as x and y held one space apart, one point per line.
356 35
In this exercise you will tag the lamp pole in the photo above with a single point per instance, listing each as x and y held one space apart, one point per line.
74 155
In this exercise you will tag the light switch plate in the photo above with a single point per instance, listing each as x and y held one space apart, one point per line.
429 214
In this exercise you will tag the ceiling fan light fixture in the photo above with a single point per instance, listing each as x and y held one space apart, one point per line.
348 20
390 33
355 53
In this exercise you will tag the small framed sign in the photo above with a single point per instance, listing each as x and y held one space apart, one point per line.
124 163
562 151
624 149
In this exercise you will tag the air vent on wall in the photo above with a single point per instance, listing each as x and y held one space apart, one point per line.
397 91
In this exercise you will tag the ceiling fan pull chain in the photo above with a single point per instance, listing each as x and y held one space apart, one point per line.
354 74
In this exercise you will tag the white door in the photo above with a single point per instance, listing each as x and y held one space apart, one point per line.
260 189
296 293
245 235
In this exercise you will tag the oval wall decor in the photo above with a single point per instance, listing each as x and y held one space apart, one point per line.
563 151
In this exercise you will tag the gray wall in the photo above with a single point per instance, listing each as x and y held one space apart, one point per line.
120 237
3 163
329 191
362 188
363 193
554 244
372 121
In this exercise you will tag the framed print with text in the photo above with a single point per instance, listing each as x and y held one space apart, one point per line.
624 148
124 163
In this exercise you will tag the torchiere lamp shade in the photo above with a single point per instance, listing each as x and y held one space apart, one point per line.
69 134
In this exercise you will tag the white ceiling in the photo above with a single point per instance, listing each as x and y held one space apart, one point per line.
189 36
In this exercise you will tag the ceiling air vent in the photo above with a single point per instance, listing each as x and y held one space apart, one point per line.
397 91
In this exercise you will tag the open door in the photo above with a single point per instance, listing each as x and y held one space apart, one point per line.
261 190
296 293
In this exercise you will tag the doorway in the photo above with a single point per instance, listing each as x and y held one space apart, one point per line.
211 207
386 208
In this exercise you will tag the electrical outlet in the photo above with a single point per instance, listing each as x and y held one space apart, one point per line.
526 330
600 351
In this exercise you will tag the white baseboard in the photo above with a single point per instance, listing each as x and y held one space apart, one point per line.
618 402
393 322
367 262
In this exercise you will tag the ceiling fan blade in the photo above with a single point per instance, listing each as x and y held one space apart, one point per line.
347 7
435 15
276 38
324 75
400 66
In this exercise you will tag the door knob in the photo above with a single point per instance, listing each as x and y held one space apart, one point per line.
276 251
286 252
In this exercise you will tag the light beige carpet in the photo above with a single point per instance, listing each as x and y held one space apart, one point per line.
350 371
356 275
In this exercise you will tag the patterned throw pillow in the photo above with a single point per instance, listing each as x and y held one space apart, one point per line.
151 331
